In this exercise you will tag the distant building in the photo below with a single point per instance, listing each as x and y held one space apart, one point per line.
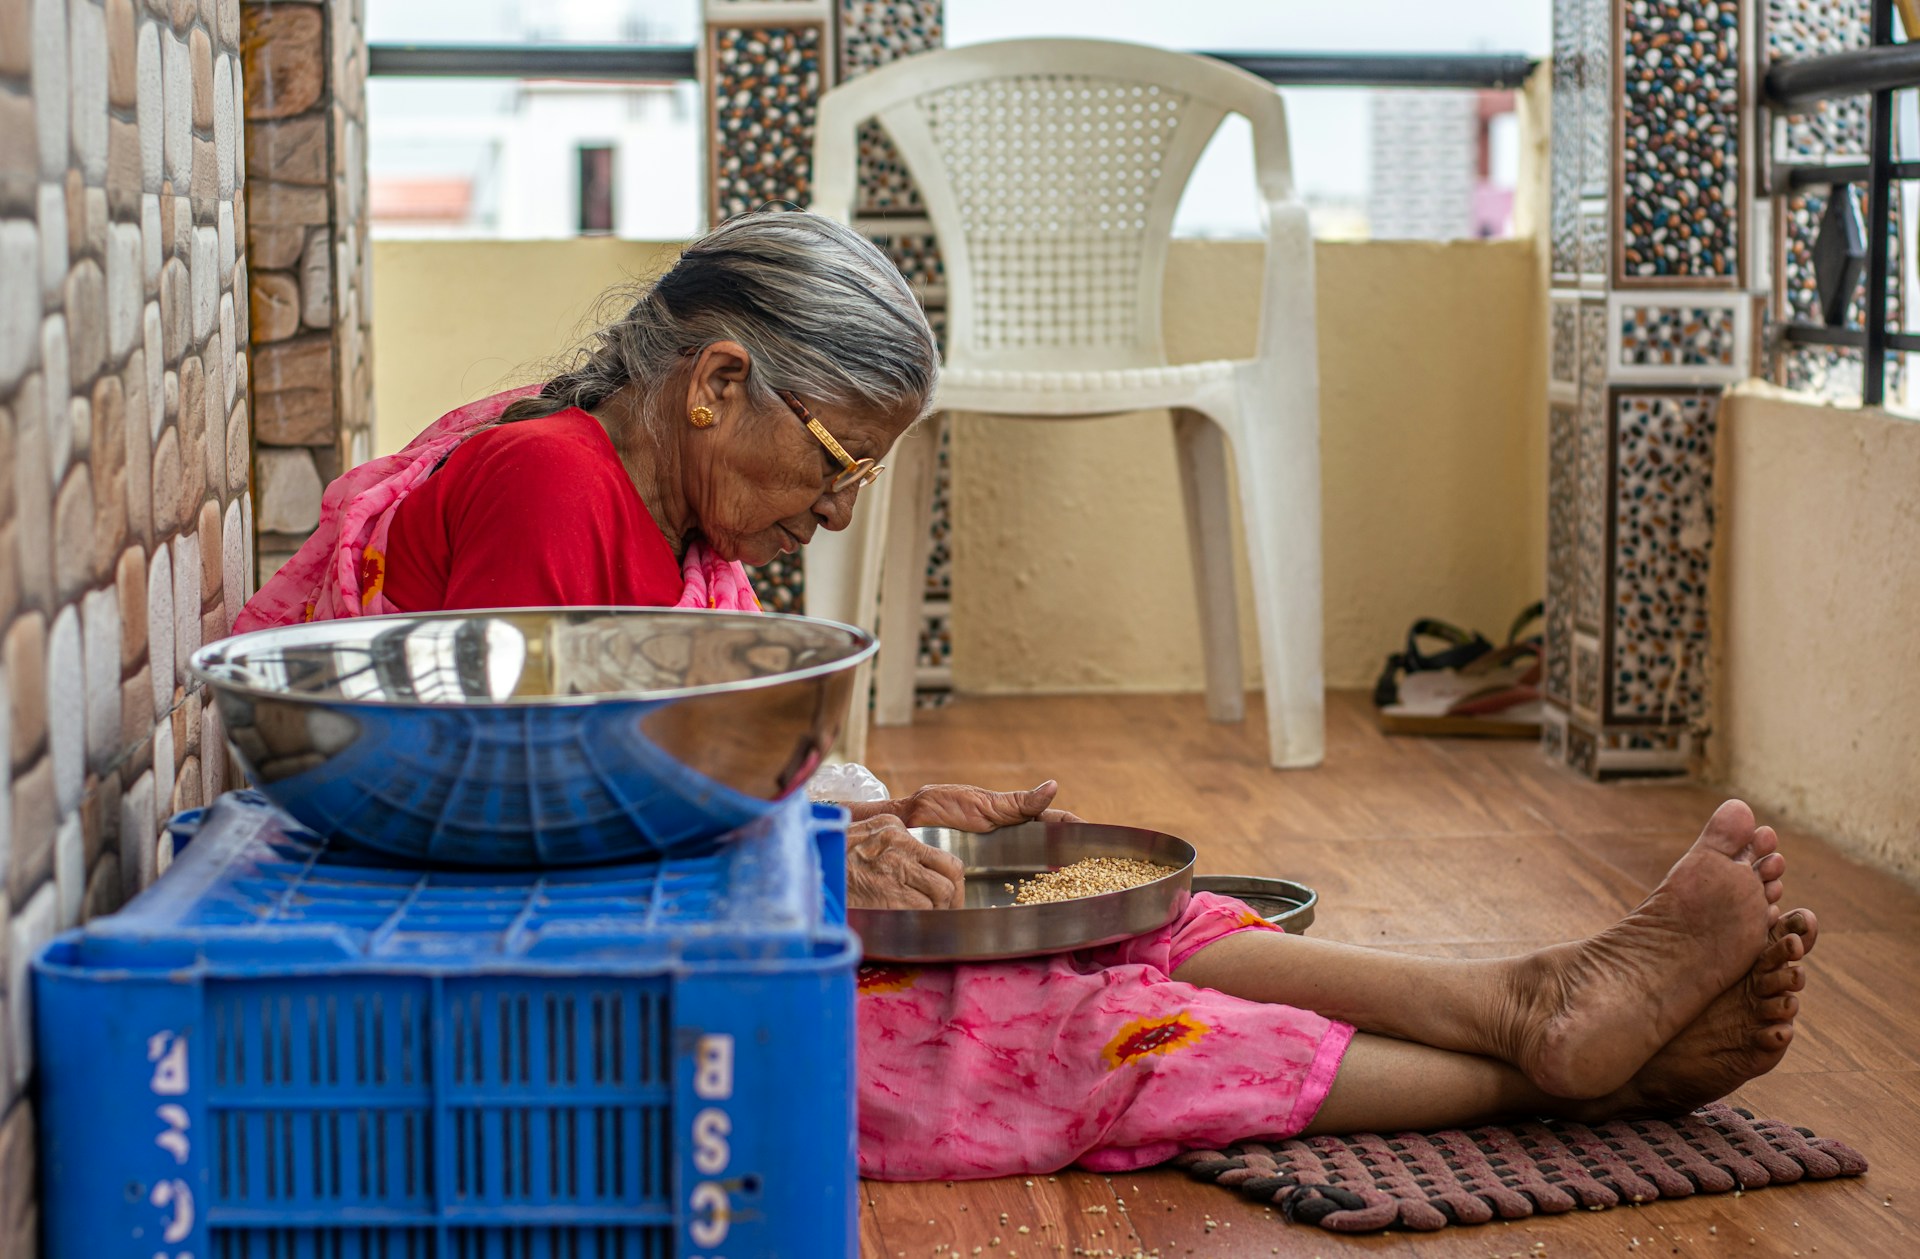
538 158
1437 165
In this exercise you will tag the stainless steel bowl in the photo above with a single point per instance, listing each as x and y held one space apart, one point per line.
1281 902
992 926
535 736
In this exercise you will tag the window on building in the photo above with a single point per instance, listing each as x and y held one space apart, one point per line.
596 189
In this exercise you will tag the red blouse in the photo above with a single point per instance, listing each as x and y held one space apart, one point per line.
530 514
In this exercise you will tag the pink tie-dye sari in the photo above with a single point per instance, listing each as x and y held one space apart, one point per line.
336 573
1099 1058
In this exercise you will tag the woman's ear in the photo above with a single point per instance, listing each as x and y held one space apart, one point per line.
719 375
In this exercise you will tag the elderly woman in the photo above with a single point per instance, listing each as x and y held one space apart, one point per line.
736 409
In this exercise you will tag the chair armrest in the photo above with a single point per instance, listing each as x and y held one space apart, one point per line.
836 140
1288 330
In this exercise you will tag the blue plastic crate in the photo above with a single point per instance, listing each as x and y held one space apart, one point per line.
280 1051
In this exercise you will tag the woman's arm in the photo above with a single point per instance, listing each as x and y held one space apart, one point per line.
967 808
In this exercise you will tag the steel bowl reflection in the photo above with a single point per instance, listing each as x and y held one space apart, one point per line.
534 736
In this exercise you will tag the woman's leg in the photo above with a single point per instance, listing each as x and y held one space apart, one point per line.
1387 1085
1577 1019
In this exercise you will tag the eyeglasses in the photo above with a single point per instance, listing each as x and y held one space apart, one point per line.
854 474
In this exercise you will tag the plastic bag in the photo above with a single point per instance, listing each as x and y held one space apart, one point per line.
847 783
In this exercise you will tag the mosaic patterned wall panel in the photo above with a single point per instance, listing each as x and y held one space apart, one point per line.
1678 336
1679 128
1564 151
917 254
1562 425
1663 539
1590 471
1586 676
1807 28
1594 244
874 33
1563 219
764 85
1596 113
1564 331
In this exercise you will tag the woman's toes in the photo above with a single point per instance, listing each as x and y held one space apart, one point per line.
1774 891
1766 842
1777 1009
1771 868
1779 979
1730 829
1774 1037
1802 923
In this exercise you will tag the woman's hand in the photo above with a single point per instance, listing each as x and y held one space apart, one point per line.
889 869
976 809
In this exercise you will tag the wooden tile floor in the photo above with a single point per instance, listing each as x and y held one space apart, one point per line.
1454 846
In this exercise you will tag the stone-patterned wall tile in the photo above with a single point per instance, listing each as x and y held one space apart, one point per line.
101 670
1564 142
1594 245
764 84
874 33
1827 130
1586 676
1663 538
1590 471
1562 447
1679 131
1695 340
1582 750
1564 344
1596 91
917 254
66 709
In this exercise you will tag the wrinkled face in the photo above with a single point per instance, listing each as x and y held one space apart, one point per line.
757 481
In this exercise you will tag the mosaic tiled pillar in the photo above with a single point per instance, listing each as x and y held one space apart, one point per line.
125 531
766 64
1827 133
1655 274
308 296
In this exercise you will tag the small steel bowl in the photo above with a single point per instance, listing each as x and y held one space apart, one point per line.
1280 901
534 736
991 926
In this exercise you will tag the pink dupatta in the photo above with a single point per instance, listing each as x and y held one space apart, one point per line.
339 571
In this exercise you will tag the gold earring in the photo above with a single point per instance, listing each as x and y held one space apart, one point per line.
702 417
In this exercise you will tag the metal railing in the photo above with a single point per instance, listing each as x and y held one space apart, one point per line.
657 63
1879 70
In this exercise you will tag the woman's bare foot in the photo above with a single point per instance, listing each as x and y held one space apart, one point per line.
1586 1016
1742 1035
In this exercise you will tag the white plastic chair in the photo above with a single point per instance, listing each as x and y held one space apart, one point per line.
1051 170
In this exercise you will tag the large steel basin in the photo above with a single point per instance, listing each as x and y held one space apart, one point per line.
534 736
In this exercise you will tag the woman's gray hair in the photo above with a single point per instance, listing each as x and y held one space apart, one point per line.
822 312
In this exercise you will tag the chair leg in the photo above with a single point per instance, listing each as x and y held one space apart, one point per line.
1276 439
1203 485
843 584
903 575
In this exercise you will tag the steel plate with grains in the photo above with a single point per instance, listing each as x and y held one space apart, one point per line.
991 925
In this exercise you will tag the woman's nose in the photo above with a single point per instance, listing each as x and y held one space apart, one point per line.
835 508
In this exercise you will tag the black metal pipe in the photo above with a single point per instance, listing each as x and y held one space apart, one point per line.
1347 69
1805 80
1819 334
1873 376
617 61
533 61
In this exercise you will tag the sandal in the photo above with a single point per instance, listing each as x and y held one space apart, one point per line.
1469 688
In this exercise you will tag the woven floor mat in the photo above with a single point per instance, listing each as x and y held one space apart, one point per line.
1410 1180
